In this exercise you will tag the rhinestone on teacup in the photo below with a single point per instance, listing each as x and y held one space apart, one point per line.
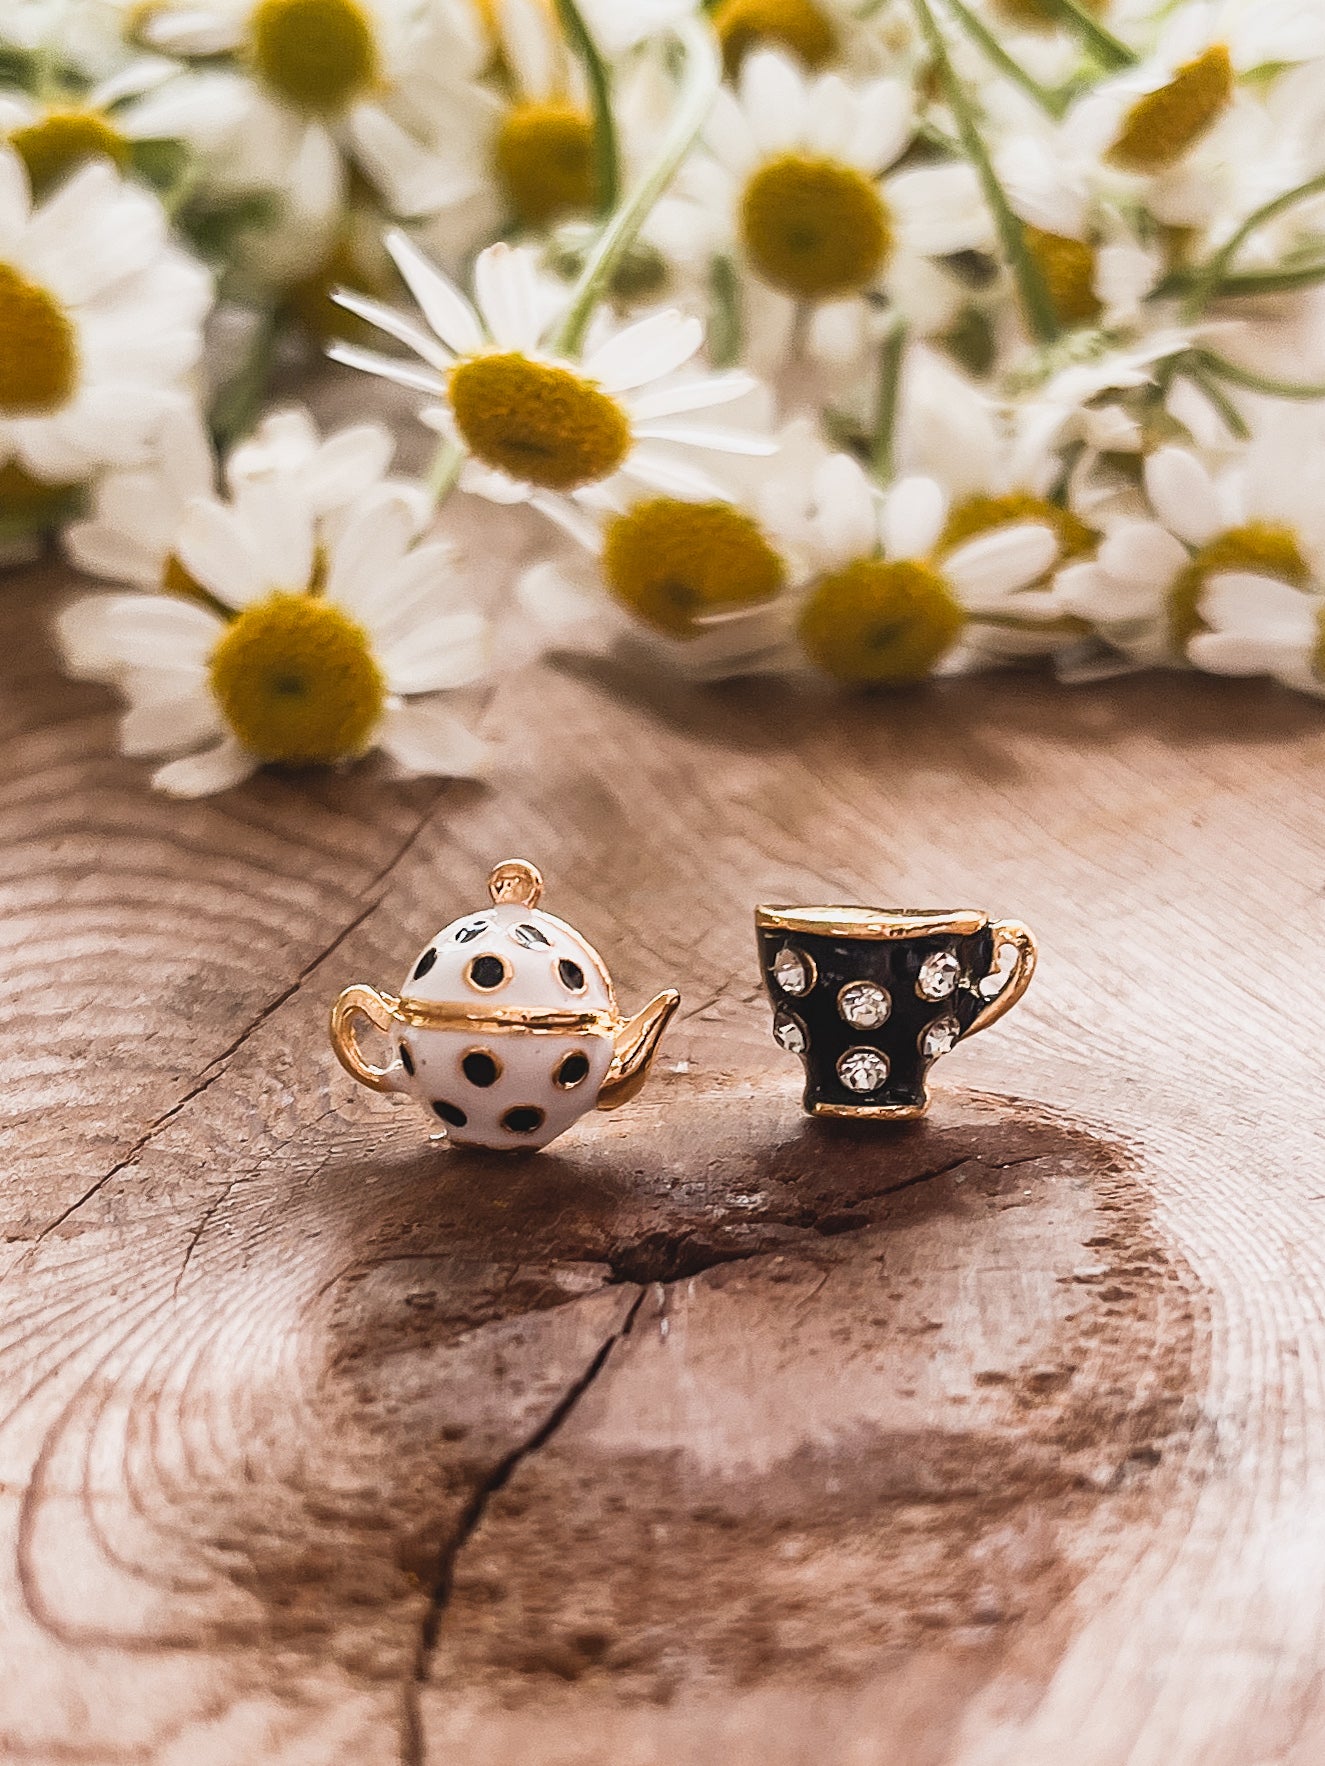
790 1033
939 1038
938 976
862 1069
793 972
864 1005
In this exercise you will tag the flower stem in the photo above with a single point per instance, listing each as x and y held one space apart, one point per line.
444 472
606 154
1243 283
724 327
1211 276
1107 48
1036 304
1250 381
235 408
1052 103
703 77
892 354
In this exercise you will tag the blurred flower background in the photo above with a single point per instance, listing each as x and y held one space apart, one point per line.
849 341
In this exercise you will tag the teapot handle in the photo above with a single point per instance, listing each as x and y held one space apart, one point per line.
1023 940
381 1010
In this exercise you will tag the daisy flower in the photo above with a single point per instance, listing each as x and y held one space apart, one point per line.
702 583
100 316
890 601
1150 116
132 533
535 424
292 94
795 175
1257 521
817 33
301 653
53 136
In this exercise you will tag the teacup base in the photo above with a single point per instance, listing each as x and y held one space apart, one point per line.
870 1112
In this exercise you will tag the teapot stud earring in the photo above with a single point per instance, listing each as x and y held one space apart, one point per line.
507 1027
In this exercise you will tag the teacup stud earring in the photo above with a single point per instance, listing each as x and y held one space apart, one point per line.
869 998
507 1028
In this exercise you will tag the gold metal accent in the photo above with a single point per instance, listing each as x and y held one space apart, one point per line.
872 1112
487 956
636 1044
382 1011
1023 940
879 923
496 1020
515 883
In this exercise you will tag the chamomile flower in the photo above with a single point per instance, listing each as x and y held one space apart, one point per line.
795 179
1149 117
100 316
890 603
132 533
1256 625
299 653
1256 521
291 95
533 423
819 34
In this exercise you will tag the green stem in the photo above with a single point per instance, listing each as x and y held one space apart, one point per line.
703 77
236 406
724 329
1210 276
444 472
1262 383
892 353
1243 282
1107 48
606 155
1035 301
1233 418
1054 104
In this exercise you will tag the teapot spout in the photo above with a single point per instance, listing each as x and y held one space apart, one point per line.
637 1042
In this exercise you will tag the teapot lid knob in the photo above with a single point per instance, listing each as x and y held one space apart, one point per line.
515 883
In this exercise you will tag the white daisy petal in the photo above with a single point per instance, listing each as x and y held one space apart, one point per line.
774 99
847 510
395 325
700 394
645 351
1255 606
280 523
101 636
445 308
367 550
1183 494
170 725
219 553
673 477
450 651
721 441
202 775
998 563
1236 653
423 737
1142 552
884 124
913 514
388 368
506 290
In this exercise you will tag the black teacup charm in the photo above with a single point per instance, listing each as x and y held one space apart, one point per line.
869 998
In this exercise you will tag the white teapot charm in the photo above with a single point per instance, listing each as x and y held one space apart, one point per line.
507 1027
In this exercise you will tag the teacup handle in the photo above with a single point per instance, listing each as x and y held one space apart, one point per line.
1023 939
381 1010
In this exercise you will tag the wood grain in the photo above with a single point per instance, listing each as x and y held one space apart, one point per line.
709 1435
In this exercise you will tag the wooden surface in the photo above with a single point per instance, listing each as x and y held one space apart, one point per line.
708 1435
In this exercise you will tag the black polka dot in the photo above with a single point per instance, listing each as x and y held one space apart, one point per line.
487 972
480 1068
450 1113
574 1068
407 1059
572 975
529 936
425 963
523 1119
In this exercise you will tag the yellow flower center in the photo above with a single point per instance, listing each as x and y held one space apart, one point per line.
671 562
881 622
38 350
297 680
1263 547
318 55
544 156
814 228
797 25
1068 268
31 502
980 515
539 422
1159 128
63 140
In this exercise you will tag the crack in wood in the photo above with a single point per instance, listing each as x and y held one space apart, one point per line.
413 1751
